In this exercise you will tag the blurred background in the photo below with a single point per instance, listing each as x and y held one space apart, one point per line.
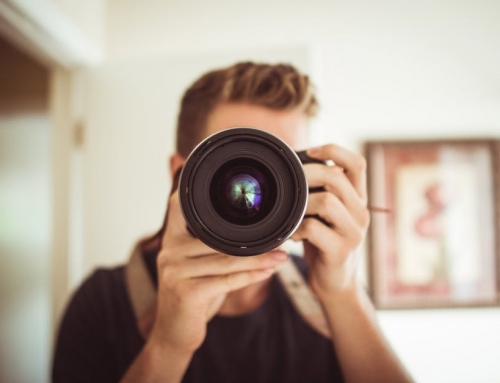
89 93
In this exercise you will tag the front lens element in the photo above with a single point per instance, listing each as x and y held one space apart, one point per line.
244 193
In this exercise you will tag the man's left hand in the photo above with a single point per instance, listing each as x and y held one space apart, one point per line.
330 246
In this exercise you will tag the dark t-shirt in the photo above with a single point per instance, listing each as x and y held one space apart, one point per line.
98 340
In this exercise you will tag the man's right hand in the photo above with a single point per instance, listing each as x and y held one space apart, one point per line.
193 281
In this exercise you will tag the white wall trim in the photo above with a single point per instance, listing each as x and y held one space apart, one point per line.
46 32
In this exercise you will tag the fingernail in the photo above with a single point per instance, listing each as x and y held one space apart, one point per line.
313 151
279 255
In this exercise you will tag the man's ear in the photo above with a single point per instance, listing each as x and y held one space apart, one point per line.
176 162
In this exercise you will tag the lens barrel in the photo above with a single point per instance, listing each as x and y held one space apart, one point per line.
243 191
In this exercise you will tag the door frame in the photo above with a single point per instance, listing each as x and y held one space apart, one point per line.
45 33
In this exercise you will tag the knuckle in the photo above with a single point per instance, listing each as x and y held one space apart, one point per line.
161 261
165 257
308 225
360 163
329 147
335 171
325 199
329 200
365 218
226 262
179 292
227 282
345 250
169 277
357 237
172 270
183 291
229 262
265 262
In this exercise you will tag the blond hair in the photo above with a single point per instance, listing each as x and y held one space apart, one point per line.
278 87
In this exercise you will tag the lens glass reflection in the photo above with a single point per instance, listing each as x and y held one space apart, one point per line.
243 191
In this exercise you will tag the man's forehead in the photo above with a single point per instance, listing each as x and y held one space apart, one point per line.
289 125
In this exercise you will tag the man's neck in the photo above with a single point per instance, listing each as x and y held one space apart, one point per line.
245 300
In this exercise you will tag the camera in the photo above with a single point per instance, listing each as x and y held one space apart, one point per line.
243 191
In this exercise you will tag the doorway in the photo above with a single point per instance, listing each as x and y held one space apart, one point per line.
25 218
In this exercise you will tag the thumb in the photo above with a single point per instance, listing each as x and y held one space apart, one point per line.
174 223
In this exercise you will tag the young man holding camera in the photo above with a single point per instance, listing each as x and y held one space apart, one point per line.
221 318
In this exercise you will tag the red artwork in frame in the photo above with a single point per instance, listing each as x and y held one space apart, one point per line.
438 247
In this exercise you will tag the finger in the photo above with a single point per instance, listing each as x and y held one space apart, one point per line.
353 163
171 263
224 284
176 225
326 240
333 211
182 248
333 180
222 264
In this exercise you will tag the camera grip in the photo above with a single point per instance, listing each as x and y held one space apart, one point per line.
305 159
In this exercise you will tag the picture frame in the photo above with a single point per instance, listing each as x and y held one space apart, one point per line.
438 246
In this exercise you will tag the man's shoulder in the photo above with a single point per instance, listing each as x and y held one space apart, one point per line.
103 280
106 277
102 291
97 336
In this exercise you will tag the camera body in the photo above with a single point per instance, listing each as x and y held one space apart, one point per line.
243 191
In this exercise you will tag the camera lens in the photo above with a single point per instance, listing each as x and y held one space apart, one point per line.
244 194
243 191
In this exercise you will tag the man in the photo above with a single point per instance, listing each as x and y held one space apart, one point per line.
220 318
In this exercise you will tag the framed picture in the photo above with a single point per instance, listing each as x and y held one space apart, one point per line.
438 246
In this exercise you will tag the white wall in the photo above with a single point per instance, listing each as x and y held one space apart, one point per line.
389 69
89 16
65 33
